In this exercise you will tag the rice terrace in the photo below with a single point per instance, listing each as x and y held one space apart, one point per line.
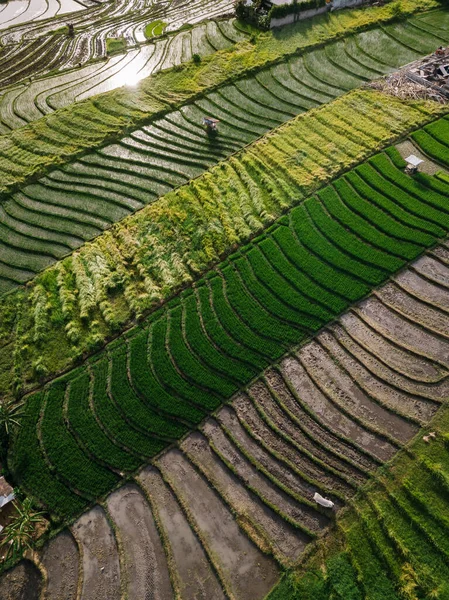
224 300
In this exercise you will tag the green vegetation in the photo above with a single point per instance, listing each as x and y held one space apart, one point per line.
154 28
165 375
115 44
71 308
434 141
20 532
100 119
393 540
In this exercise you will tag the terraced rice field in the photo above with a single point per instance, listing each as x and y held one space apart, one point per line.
183 457
162 378
23 11
217 516
168 244
26 101
50 218
36 49
302 85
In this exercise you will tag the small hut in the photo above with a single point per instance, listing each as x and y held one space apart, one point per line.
413 163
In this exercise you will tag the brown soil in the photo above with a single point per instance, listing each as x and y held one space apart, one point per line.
421 288
245 571
60 559
390 325
21 583
269 492
329 414
194 575
437 391
332 443
290 449
441 252
433 269
419 409
264 526
145 564
101 569
289 478
342 390
413 309
407 148
397 358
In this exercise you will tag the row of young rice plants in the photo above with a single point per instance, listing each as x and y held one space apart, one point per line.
194 353
392 542
72 307
111 112
434 141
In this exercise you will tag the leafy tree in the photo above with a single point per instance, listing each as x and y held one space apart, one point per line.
19 534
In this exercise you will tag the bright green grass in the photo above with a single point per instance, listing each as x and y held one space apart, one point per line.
115 44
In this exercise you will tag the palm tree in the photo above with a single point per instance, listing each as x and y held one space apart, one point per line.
9 413
20 533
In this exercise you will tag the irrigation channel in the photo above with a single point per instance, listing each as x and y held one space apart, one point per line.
50 218
219 514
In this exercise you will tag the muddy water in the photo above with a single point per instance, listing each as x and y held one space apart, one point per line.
410 337
144 561
397 400
407 363
331 415
322 437
373 364
272 533
303 459
191 568
245 570
61 562
100 564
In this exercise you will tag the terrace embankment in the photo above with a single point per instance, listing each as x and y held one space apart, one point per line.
313 423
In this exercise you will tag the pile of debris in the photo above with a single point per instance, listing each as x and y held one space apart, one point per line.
425 79
401 85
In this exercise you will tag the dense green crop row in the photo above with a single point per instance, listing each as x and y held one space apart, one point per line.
434 140
88 431
32 471
196 352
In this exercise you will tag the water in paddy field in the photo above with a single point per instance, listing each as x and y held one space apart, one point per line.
16 12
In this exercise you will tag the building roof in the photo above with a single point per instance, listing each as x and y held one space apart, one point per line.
6 492
413 160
